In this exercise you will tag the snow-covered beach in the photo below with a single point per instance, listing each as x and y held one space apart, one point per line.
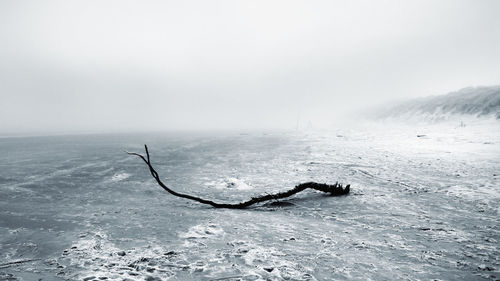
421 207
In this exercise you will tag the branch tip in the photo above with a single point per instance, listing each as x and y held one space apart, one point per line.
147 152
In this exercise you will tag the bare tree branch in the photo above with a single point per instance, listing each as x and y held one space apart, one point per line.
334 190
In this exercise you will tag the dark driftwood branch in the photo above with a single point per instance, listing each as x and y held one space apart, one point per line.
334 190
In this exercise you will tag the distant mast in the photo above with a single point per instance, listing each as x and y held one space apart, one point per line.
298 121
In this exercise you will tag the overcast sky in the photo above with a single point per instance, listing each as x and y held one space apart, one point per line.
83 66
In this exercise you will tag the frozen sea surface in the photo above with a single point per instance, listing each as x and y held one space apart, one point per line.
421 207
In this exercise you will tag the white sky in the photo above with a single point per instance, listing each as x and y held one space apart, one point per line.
75 66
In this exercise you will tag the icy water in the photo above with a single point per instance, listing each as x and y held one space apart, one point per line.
420 207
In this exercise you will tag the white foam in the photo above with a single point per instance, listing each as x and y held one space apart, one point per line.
230 183
119 177
203 231
95 255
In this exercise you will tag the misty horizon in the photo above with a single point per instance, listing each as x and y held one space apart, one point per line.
74 67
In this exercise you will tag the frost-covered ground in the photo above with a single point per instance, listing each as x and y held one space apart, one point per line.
472 101
421 207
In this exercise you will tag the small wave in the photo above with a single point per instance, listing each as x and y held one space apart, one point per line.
43 177
119 177
231 183
95 257
203 231
268 263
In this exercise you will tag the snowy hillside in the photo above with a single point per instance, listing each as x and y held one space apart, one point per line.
466 103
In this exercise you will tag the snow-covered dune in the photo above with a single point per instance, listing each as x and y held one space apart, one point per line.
471 102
